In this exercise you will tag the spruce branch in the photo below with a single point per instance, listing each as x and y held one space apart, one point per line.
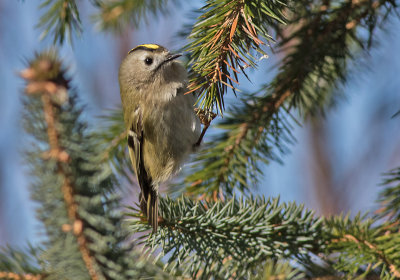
221 42
48 64
317 46
15 276
232 238
60 19
112 134
116 14
363 248
390 196
278 270
19 265
248 136
319 42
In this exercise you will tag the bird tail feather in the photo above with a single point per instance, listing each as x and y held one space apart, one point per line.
149 206
152 209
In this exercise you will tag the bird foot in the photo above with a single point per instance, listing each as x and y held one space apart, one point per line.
205 116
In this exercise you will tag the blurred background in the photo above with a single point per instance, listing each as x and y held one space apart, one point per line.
335 166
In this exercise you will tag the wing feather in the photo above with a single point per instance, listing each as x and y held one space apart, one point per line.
148 198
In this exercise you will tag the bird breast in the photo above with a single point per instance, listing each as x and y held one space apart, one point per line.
171 128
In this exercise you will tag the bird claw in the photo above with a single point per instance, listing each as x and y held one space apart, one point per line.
205 116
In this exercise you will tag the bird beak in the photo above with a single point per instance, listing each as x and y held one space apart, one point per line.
171 57
168 58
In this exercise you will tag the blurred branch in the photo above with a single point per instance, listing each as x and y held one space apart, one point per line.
279 270
52 88
18 265
319 43
60 19
15 276
116 14
231 162
390 196
327 197
113 140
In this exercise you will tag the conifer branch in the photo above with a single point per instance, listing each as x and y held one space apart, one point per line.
56 88
15 276
279 270
231 163
316 44
221 45
113 140
61 19
20 265
390 197
234 238
364 248
115 15
231 238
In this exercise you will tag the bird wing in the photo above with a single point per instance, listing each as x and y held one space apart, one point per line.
148 198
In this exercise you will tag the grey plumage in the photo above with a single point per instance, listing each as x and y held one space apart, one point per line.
161 123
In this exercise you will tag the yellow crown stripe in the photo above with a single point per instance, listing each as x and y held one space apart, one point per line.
147 46
150 46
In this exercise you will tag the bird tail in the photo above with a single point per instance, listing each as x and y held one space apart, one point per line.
149 205
152 209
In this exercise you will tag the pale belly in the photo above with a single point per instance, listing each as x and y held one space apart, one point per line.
169 136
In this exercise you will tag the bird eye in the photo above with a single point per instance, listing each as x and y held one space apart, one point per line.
148 60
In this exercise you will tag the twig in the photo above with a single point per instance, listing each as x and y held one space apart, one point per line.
15 276
348 237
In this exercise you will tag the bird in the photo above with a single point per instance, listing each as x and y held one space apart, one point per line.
162 126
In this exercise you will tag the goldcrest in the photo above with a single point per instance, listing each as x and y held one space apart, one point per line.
161 124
